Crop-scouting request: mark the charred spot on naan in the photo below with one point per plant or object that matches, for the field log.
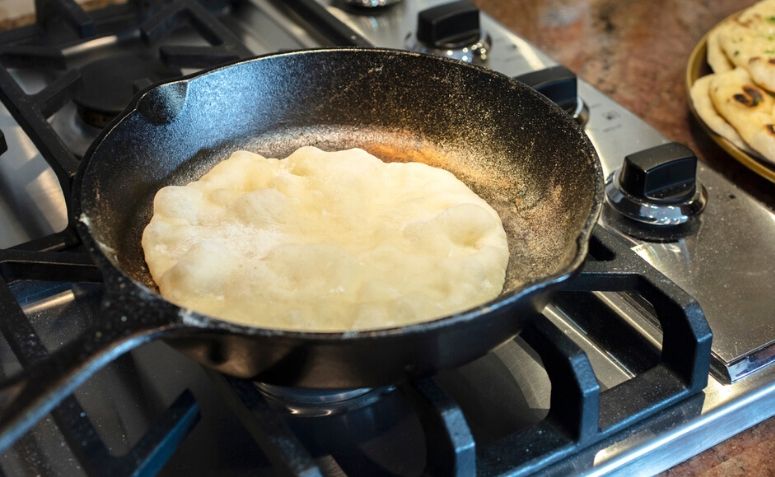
(751, 96)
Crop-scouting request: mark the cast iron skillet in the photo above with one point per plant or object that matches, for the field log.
(512, 146)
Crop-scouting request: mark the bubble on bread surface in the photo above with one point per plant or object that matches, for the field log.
(325, 241)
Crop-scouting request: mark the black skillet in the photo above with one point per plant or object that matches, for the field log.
(513, 147)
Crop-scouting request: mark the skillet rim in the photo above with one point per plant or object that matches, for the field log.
(206, 323)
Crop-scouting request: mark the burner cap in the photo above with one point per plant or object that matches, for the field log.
(321, 402)
(108, 84)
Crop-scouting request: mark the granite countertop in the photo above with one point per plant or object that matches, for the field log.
(635, 51)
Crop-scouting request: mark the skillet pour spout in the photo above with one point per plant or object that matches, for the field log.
(509, 144)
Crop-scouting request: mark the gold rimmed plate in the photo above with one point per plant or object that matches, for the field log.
(698, 67)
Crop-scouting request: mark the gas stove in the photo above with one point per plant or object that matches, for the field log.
(618, 374)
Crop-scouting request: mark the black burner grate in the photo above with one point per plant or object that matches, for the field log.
(41, 47)
(580, 415)
(224, 45)
(160, 441)
(56, 257)
(32, 112)
(48, 11)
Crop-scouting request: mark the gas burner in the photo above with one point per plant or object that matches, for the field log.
(321, 402)
(74, 131)
(370, 4)
(108, 84)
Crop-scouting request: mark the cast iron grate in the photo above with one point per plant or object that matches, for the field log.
(61, 24)
(224, 45)
(580, 414)
(42, 260)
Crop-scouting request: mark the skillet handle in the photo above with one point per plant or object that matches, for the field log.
(27, 396)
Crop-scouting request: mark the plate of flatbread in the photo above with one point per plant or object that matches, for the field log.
(731, 82)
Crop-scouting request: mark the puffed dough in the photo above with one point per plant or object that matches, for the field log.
(325, 241)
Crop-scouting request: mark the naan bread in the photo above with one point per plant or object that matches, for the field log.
(704, 107)
(749, 42)
(717, 59)
(747, 108)
(325, 241)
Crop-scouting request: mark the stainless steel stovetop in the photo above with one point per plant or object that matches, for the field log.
(727, 263)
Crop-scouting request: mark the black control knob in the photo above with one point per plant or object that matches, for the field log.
(664, 174)
(655, 195)
(557, 83)
(450, 25)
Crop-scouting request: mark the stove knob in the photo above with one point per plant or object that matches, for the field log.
(664, 174)
(453, 30)
(657, 187)
(371, 3)
(559, 84)
(449, 25)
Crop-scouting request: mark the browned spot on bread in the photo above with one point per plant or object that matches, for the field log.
(752, 97)
(771, 129)
(745, 23)
(755, 94)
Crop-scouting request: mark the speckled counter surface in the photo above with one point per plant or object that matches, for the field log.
(636, 51)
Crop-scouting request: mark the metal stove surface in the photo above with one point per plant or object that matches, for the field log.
(724, 264)
(506, 391)
(739, 307)
(715, 264)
